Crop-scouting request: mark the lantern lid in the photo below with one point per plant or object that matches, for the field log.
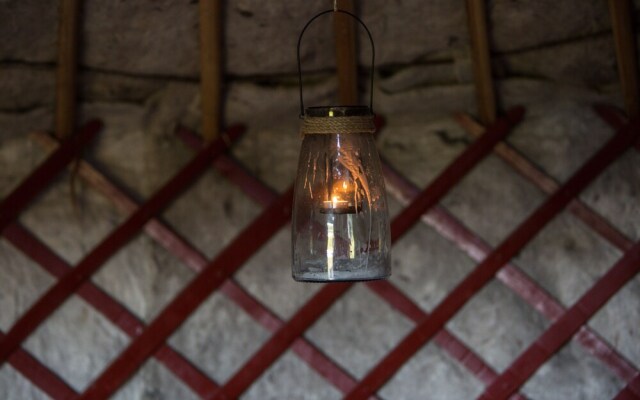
(338, 111)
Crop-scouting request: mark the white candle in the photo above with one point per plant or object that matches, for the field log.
(335, 203)
(330, 250)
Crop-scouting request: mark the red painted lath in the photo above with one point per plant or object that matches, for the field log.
(217, 274)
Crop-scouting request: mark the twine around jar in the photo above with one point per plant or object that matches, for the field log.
(337, 125)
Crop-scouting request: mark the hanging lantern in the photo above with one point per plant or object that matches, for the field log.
(340, 226)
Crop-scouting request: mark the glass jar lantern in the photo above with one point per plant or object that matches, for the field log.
(340, 229)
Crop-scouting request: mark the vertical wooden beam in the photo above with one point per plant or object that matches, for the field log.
(65, 118)
(622, 23)
(211, 67)
(481, 57)
(346, 54)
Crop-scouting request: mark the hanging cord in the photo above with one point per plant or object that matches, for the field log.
(373, 52)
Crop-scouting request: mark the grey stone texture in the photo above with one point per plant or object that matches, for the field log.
(569, 375)
(75, 354)
(265, 278)
(14, 386)
(622, 332)
(439, 377)
(362, 323)
(139, 74)
(161, 38)
(19, 272)
(623, 208)
(291, 378)
(217, 348)
(166, 385)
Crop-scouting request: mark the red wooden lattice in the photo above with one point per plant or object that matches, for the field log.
(217, 274)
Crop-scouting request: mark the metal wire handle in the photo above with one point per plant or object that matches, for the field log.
(373, 53)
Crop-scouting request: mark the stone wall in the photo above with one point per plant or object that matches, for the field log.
(139, 74)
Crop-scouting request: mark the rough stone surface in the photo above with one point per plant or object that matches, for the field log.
(544, 22)
(290, 378)
(621, 332)
(564, 62)
(498, 325)
(565, 133)
(567, 258)
(78, 355)
(359, 330)
(432, 371)
(194, 213)
(260, 37)
(219, 337)
(101, 86)
(144, 275)
(13, 386)
(166, 386)
(25, 87)
(23, 284)
(621, 209)
(31, 28)
(19, 156)
(405, 140)
(493, 200)
(267, 276)
(442, 266)
(74, 230)
(570, 374)
(537, 93)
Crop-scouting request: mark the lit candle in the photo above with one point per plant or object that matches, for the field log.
(330, 250)
(337, 205)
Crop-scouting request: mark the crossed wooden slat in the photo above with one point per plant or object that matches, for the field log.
(237, 252)
(485, 271)
(385, 289)
(191, 257)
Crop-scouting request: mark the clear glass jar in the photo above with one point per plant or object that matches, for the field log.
(340, 226)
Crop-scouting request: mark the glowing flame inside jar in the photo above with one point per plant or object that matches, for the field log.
(338, 204)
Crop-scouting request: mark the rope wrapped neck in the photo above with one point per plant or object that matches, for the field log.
(340, 124)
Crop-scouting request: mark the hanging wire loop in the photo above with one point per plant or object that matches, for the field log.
(373, 53)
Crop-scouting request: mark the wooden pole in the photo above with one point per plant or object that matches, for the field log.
(346, 55)
(624, 37)
(65, 117)
(481, 57)
(211, 67)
